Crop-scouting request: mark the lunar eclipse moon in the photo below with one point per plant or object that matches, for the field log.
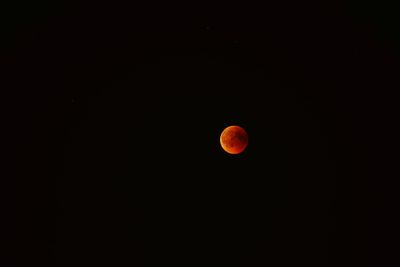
(234, 139)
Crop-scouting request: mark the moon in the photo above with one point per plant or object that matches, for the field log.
(234, 139)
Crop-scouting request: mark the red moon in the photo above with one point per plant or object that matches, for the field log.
(234, 139)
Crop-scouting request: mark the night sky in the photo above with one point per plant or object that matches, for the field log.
(124, 106)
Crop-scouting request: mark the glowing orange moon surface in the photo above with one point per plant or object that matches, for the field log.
(234, 139)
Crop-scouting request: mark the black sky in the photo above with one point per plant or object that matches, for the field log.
(124, 106)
